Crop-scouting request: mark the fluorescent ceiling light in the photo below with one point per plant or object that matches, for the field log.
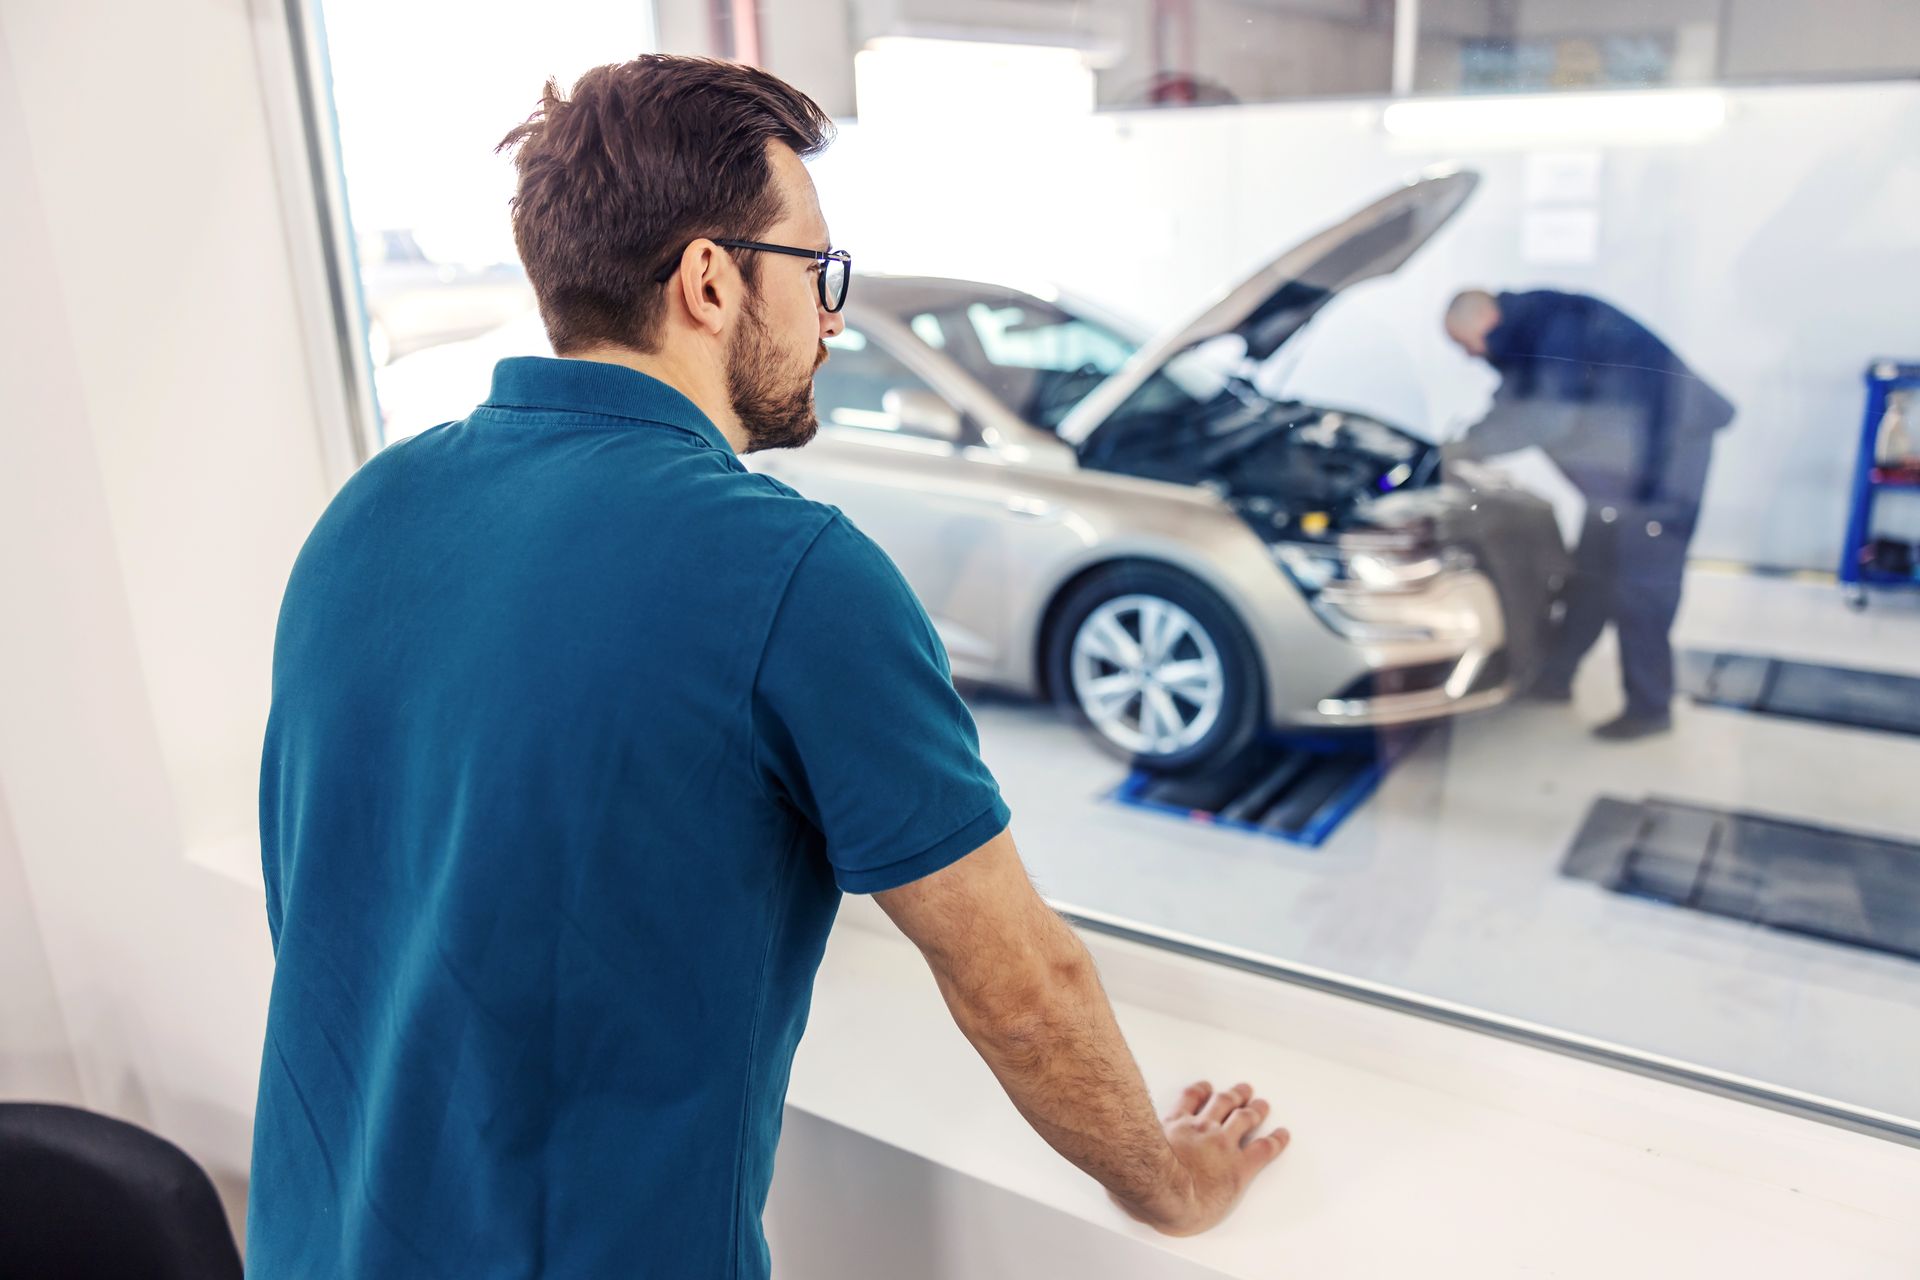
(961, 84)
(1622, 116)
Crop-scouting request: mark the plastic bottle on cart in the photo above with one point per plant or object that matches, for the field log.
(1893, 445)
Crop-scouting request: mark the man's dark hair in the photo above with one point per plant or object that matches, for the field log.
(645, 157)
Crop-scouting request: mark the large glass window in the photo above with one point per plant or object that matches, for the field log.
(1531, 387)
(421, 96)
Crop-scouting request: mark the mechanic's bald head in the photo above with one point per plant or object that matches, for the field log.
(1471, 316)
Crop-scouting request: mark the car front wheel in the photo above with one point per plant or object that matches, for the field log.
(1158, 666)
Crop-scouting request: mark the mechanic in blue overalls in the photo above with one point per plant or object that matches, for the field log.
(1632, 427)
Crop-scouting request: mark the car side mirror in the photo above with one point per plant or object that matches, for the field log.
(922, 413)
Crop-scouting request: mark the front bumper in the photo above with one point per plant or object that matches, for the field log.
(1408, 708)
(1421, 655)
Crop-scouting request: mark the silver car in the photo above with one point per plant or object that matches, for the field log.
(1133, 529)
(414, 302)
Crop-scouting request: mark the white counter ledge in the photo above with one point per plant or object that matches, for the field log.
(1418, 1148)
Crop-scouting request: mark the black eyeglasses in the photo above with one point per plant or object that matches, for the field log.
(836, 268)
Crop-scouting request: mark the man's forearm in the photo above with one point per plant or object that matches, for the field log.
(1504, 430)
(1061, 1058)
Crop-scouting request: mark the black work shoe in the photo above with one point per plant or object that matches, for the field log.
(1633, 725)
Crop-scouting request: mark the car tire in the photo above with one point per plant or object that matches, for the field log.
(1216, 665)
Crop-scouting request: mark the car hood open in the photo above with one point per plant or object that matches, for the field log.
(1276, 302)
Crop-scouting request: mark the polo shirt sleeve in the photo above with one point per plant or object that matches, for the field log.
(857, 725)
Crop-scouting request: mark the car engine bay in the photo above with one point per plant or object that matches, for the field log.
(1292, 471)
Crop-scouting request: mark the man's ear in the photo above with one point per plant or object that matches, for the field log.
(707, 285)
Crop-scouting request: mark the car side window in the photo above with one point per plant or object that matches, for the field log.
(926, 327)
(850, 389)
(1039, 360)
(1021, 337)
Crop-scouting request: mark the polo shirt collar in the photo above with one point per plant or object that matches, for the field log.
(591, 386)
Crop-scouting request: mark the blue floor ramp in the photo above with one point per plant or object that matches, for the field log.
(1296, 789)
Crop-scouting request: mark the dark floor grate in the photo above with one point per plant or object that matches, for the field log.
(1803, 691)
(1843, 886)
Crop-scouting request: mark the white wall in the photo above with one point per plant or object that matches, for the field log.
(160, 461)
(36, 1057)
(1777, 255)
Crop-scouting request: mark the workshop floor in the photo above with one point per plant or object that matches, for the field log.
(1446, 882)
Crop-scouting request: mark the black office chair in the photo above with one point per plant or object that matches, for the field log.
(85, 1196)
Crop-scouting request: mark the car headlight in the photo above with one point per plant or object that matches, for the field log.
(1347, 583)
(1366, 563)
(1311, 566)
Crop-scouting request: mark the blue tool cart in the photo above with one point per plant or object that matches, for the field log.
(1889, 459)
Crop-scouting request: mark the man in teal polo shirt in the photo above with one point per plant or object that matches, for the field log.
(580, 729)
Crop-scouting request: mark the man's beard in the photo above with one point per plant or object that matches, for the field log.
(774, 408)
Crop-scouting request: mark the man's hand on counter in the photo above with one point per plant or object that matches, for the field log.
(1218, 1156)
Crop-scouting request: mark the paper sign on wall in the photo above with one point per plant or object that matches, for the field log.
(1560, 237)
(1563, 177)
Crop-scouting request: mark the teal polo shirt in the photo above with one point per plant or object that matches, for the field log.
(579, 730)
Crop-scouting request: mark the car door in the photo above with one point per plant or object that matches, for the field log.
(938, 506)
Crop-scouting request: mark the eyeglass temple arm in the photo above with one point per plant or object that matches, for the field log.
(822, 256)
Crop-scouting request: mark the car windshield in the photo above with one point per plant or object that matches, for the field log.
(1209, 386)
(1039, 359)
(1215, 371)
(1210, 407)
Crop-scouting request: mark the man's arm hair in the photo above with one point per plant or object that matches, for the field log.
(1023, 990)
